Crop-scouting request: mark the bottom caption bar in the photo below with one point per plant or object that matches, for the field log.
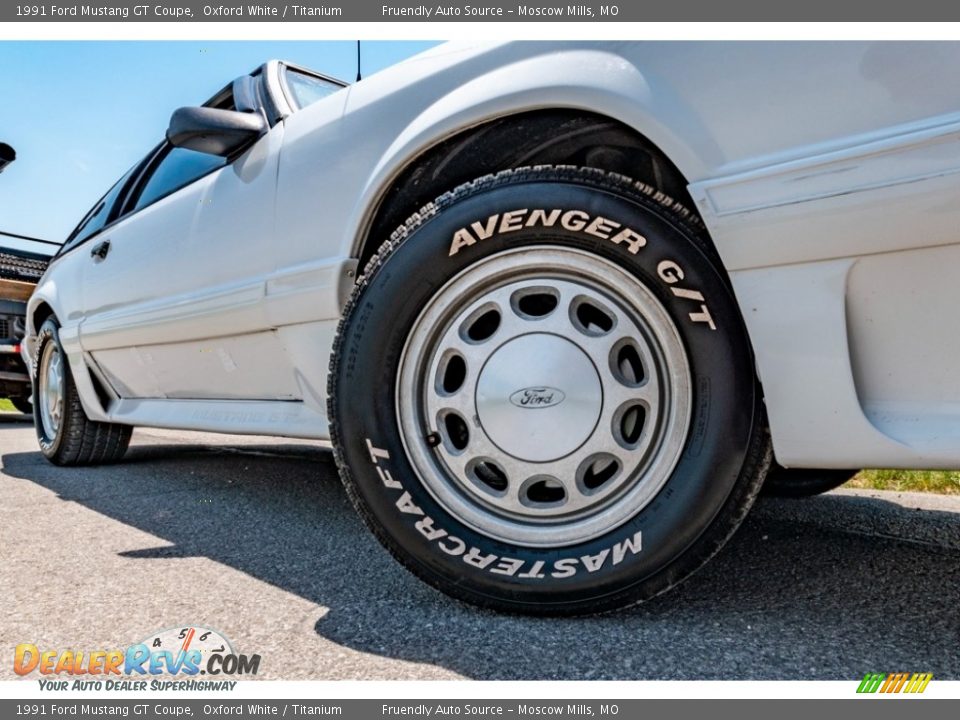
(365, 709)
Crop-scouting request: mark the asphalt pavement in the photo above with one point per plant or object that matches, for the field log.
(255, 537)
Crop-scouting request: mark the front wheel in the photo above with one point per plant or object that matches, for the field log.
(542, 394)
(65, 434)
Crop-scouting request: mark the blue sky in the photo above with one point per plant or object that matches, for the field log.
(79, 114)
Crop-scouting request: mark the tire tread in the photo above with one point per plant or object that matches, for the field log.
(86, 441)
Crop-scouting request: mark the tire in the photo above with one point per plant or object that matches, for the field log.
(65, 433)
(801, 482)
(22, 405)
(685, 470)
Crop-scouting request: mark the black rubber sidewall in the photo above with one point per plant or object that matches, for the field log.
(49, 333)
(723, 390)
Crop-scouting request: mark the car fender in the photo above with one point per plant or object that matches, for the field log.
(54, 289)
(593, 80)
(45, 294)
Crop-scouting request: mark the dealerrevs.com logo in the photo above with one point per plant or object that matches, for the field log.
(183, 652)
(894, 683)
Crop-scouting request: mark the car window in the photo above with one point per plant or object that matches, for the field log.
(307, 89)
(101, 213)
(179, 167)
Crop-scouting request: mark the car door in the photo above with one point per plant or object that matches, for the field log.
(72, 259)
(172, 290)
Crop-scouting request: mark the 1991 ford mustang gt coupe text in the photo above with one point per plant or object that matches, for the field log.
(558, 307)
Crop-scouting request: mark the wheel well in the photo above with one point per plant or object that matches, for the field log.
(40, 315)
(542, 137)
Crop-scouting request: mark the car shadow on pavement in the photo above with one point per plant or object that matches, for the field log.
(823, 588)
(14, 418)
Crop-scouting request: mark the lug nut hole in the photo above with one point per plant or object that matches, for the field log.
(453, 372)
(542, 491)
(590, 318)
(596, 471)
(482, 325)
(534, 303)
(628, 424)
(626, 365)
(488, 475)
(454, 431)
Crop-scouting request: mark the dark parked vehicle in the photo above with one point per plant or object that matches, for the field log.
(19, 273)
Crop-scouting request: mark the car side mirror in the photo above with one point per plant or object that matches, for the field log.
(214, 131)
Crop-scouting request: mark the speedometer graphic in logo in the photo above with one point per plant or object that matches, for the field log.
(190, 639)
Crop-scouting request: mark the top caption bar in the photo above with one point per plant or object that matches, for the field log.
(481, 11)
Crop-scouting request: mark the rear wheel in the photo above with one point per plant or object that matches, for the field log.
(65, 434)
(542, 394)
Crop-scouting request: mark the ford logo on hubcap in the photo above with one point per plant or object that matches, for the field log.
(537, 397)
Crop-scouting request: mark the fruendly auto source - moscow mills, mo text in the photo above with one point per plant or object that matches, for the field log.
(477, 11)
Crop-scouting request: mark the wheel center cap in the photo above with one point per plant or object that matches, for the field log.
(539, 397)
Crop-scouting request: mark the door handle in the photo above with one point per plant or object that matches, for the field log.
(100, 250)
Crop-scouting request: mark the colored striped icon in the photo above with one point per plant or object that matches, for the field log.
(894, 682)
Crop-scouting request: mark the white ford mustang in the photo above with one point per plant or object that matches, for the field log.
(558, 307)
